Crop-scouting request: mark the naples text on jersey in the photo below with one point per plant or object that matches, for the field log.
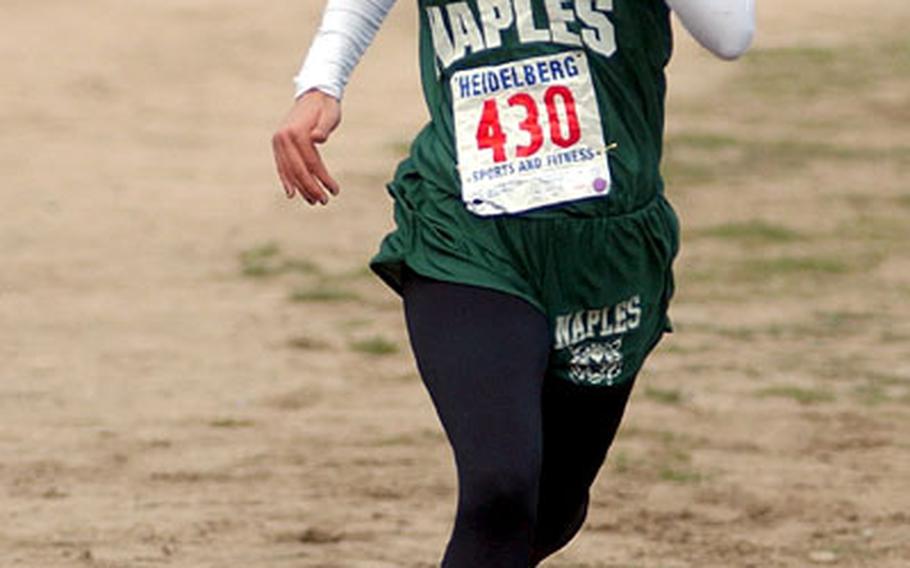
(457, 32)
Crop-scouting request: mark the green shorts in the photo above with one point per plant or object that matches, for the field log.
(604, 283)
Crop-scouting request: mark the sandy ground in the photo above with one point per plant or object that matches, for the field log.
(196, 372)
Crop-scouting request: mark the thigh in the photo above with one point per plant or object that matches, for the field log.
(579, 425)
(482, 355)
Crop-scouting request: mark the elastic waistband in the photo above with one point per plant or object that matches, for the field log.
(658, 201)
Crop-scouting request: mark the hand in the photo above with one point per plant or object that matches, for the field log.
(313, 118)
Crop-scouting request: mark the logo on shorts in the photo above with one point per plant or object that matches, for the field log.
(594, 340)
(603, 323)
(597, 363)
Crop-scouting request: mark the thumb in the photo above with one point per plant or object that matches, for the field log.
(325, 124)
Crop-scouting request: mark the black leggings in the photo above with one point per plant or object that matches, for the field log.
(527, 447)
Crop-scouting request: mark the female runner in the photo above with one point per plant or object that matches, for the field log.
(533, 245)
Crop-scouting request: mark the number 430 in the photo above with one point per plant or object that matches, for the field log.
(491, 136)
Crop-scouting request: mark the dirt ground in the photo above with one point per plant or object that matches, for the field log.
(196, 372)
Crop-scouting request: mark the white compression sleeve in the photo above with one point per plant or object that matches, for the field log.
(348, 27)
(347, 30)
(725, 27)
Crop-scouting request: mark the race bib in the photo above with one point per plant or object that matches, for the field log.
(528, 134)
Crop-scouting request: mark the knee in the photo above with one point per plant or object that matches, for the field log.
(501, 500)
(557, 526)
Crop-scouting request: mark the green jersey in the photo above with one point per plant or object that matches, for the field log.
(538, 175)
(567, 91)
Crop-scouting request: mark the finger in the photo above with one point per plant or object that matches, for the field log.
(289, 188)
(300, 176)
(311, 163)
(316, 166)
(280, 167)
(285, 173)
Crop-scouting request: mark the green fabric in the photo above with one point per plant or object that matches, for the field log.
(564, 266)
(599, 269)
(630, 87)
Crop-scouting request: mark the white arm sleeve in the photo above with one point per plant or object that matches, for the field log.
(725, 27)
(347, 30)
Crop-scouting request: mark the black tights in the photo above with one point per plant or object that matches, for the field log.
(527, 447)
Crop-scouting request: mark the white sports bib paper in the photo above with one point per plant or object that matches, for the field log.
(528, 134)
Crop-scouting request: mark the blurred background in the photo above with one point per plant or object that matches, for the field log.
(197, 372)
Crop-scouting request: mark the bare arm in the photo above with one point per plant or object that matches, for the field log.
(724, 27)
(348, 27)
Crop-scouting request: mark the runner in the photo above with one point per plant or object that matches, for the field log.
(533, 243)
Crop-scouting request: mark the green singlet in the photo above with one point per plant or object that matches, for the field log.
(539, 172)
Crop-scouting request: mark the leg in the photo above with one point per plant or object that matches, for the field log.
(579, 426)
(483, 355)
